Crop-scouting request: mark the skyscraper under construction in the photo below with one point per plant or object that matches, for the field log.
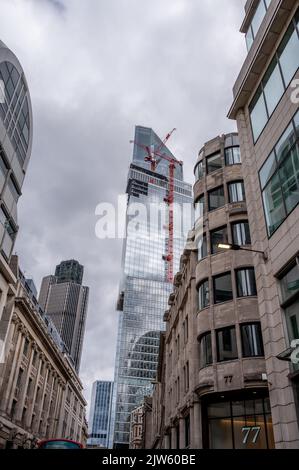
(150, 257)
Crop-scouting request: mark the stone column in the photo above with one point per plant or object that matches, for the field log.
(182, 433)
(15, 370)
(173, 437)
(196, 426)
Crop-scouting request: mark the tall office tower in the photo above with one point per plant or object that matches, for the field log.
(15, 151)
(266, 108)
(145, 288)
(65, 300)
(100, 414)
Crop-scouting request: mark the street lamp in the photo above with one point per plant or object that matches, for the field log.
(231, 246)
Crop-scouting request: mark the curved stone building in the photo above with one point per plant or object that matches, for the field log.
(15, 151)
(212, 389)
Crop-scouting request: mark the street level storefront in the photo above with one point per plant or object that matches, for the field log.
(238, 421)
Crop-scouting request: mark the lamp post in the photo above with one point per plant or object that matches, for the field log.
(230, 246)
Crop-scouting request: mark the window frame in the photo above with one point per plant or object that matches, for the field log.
(276, 173)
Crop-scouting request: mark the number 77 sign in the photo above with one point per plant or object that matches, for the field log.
(252, 432)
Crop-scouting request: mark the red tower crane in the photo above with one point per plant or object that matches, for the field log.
(154, 157)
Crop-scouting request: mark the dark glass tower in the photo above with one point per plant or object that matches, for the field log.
(65, 301)
(144, 289)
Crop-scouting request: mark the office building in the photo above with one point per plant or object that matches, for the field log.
(266, 108)
(65, 301)
(15, 151)
(40, 391)
(100, 414)
(145, 284)
(211, 382)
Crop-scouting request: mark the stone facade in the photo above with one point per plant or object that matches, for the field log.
(227, 373)
(280, 244)
(40, 392)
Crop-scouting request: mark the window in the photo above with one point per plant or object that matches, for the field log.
(186, 330)
(246, 282)
(273, 86)
(289, 282)
(203, 295)
(276, 80)
(202, 247)
(214, 162)
(252, 340)
(218, 236)
(205, 343)
(241, 233)
(216, 198)
(187, 431)
(199, 207)
(227, 420)
(292, 318)
(227, 344)
(236, 191)
(26, 347)
(223, 288)
(279, 178)
(186, 376)
(256, 22)
(199, 171)
(232, 156)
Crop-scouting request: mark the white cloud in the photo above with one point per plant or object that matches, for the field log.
(95, 69)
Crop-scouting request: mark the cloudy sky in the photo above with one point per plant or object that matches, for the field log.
(96, 68)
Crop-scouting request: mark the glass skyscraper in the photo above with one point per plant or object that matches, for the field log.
(100, 414)
(144, 289)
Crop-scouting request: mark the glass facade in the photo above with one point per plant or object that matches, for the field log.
(15, 109)
(100, 414)
(144, 287)
(276, 80)
(279, 178)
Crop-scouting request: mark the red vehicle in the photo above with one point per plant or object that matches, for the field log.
(59, 444)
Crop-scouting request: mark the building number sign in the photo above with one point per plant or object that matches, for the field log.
(251, 432)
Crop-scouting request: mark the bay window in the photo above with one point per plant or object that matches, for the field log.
(246, 285)
(252, 340)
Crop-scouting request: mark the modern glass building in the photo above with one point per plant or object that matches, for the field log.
(144, 289)
(100, 414)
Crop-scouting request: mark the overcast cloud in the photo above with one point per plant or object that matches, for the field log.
(96, 68)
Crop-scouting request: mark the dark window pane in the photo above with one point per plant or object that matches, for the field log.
(206, 357)
(227, 344)
(285, 143)
(268, 169)
(258, 114)
(241, 233)
(246, 282)
(289, 283)
(203, 295)
(289, 176)
(289, 54)
(218, 236)
(292, 317)
(273, 86)
(199, 171)
(214, 163)
(216, 198)
(273, 203)
(252, 341)
(202, 247)
(223, 288)
(220, 434)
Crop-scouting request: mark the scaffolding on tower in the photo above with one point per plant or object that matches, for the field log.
(154, 157)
